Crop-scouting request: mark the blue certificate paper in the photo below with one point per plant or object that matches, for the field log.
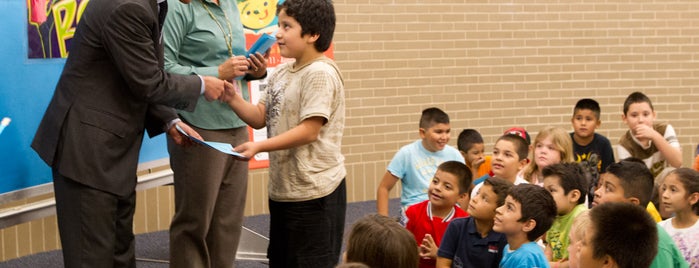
(263, 43)
(225, 148)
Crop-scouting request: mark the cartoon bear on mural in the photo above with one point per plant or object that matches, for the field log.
(258, 15)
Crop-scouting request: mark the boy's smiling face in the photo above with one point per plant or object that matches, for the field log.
(443, 191)
(436, 137)
(505, 162)
(609, 190)
(564, 202)
(507, 217)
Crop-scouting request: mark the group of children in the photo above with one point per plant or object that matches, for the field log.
(568, 205)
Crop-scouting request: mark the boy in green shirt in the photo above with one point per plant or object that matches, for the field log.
(568, 186)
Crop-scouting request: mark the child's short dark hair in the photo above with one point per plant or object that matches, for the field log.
(635, 178)
(431, 116)
(520, 143)
(633, 245)
(690, 181)
(461, 171)
(636, 97)
(571, 177)
(536, 204)
(315, 17)
(467, 138)
(588, 104)
(501, 187)
(379, 241)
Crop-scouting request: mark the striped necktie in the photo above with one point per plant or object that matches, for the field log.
(162, 11)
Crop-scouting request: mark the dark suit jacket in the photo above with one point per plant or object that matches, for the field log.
(112, 88)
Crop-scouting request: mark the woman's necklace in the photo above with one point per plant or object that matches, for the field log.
(227, 37)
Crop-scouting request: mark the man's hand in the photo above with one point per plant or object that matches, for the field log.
(181, 139)
(213, 88)
(233, 67)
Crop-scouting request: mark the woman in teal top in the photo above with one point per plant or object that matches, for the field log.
(206, 37)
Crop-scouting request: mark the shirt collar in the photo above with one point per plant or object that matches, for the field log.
(446, 219)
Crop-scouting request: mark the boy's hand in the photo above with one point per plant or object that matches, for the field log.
(476, 164)
(248, 149)
(548, 252)
(230, 93)
(428, 248)
(645, 132)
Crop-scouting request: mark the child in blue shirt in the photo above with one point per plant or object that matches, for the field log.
(528, 212)
(415, 163)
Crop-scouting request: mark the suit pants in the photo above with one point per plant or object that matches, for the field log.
(210, 191)
(96, 227)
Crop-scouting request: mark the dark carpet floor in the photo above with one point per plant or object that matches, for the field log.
(152, 249)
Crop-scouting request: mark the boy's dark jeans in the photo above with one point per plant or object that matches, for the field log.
(307, 233)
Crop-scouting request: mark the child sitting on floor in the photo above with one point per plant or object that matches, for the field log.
(528, 212)
(471, 242)
(568, 186)
(429, 219)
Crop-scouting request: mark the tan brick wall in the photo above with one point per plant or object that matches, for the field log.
(490, 64)
(495, 64)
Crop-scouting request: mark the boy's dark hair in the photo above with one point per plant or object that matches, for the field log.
(315, 17)
(536, 204)
(690, 181)
(379, 241)
(521, 145)
(467, 138)
(461, 171)
(636, 97)
(588, 104)
(634, 245)
(635, 178)
(570, 176)
(501, 187)
(431, 116)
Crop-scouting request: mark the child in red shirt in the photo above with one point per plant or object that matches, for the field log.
(428, 220)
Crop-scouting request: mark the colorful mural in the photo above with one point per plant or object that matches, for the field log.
(258, 15)
(51, 25)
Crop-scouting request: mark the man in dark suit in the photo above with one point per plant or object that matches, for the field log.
(112, 88)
